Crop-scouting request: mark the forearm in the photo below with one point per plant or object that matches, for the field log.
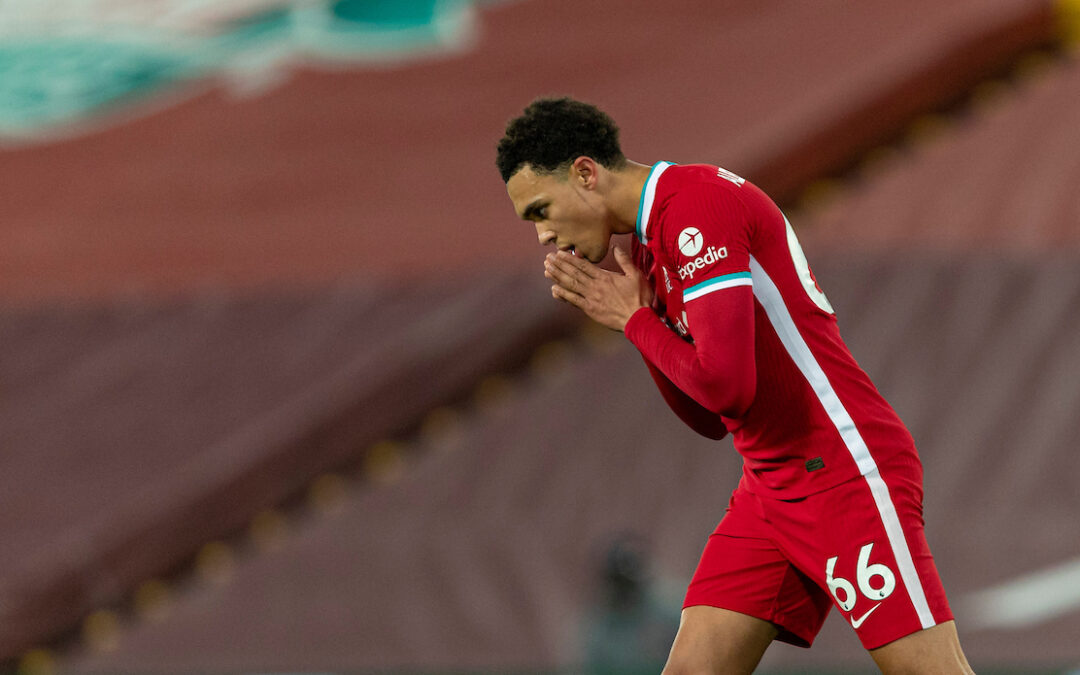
(692, 413)
(717, 371)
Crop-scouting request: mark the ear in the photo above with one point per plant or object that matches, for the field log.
(584, 172)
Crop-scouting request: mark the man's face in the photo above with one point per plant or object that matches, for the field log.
(567, 214)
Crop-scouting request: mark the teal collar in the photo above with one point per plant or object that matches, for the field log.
(645, 204)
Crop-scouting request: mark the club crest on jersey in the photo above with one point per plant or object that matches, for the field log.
(682, 325)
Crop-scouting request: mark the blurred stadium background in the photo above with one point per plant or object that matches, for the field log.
(282, 388)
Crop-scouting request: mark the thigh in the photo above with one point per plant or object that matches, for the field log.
(934, 651)
(714, 640)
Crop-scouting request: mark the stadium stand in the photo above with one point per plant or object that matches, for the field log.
(481, 555)
(136, 433)
(304, 183)
(429, 572)
(1003, 177)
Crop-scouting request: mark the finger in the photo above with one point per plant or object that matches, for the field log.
(565, 275)
(556, 274)
(566, 295)
(625, 262)
(580, 264)
(566, 283)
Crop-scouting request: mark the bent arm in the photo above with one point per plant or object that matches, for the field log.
(692, 413)
(717, 370)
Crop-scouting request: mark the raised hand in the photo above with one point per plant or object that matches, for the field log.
(609, 298)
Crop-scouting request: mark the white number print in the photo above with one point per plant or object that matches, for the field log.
(727, 175)
(803, 269)
(865, 574)
(847, 603)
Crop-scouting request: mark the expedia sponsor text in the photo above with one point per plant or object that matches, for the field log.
(712, 255)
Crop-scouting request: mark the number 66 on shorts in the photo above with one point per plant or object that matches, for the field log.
(864, 575)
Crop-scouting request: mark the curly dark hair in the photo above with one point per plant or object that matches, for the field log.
(552, 132)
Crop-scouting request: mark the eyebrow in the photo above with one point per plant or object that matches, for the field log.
(533, 207)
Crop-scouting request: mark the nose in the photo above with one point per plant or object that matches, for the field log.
(545, 237)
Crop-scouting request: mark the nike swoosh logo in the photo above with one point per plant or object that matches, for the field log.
(855, 623)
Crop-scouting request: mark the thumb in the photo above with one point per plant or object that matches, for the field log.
(623, 258)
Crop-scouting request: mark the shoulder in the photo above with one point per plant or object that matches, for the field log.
(699, 190)
(704, 196)
(682, 180)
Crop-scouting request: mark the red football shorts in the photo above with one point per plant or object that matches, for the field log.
(859, 546)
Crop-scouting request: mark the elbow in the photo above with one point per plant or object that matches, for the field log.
(716, 432)
(734, 400)
(740, 403)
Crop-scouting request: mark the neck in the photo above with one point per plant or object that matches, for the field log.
(626, 195)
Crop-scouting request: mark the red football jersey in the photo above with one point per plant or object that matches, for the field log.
(742, 338)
